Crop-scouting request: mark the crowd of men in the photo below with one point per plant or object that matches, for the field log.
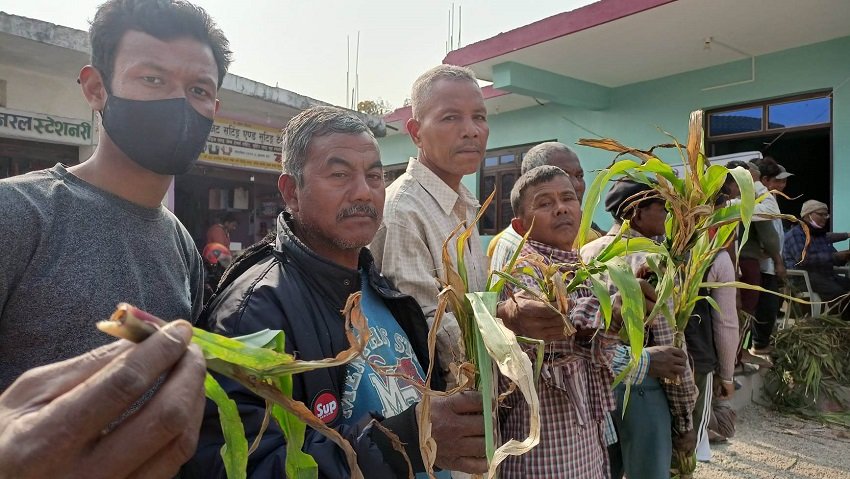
(95, 234)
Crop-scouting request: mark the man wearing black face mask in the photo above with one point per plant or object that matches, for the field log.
(80, 239)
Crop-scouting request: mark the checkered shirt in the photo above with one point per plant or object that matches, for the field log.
(575, 394)
(681, 397)
(420, 212)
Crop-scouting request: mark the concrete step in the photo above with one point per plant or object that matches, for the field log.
(752, 388)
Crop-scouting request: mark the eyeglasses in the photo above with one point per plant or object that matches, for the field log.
(821, 214)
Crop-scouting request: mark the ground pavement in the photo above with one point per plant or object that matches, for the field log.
(768, 445)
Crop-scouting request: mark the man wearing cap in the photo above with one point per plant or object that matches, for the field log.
(774, 177)
(659, 414)
(821, 255)
(762, 242)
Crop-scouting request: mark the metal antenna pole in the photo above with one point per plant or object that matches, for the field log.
(459, 22)
(357, 72)
(347, 70)
(452, 28)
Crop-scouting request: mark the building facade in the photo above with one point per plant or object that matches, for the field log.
(45, 120)
(772, 75)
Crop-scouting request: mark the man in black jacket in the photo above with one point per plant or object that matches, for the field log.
(299, 282)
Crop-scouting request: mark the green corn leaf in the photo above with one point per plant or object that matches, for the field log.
(713, 180)
(748, 199)
(234, 452)
(633, 307)
(625, 246)
(741, 285)
(299, 464)
(654, 165)
(539, 354)
(593, 194)
(234, 351)
(664, 291)
(604, 254)
(265, 338)
(487, 385)
(514, 364)
(600, 290)
(711, 301)
(500, 284)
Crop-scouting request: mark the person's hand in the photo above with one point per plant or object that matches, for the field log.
(843, 256)
(685, 442)
(527, 316)
(779, 269)
(54, 419)
(724, 389)
(666, 362)
(457, 426)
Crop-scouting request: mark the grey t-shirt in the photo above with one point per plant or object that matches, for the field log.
(69, 253)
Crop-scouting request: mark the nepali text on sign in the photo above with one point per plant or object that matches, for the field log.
(243, 145)
(43, 127)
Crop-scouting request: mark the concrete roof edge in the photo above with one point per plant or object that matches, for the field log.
(78, 40)
(281, 96)
(45, 32)
(549, 28)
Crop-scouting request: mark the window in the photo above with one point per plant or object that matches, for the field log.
(812, 111)
(735, 121)
(800, 112)
(499, 172)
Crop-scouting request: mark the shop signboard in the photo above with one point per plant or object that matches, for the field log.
(47, 128)
(243, 145)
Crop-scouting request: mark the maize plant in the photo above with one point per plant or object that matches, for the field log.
(259, 363)
(813, 358)
(488, 346)
(491, 348)
(696, 230)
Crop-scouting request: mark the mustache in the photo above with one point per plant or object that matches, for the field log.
(357, 210)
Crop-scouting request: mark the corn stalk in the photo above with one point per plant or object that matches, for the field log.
(259, 363)
(489, 345)
(695, 229)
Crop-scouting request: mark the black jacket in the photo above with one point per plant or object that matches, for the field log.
(699, 336)
(290, 288)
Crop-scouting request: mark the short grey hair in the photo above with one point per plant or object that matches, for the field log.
(541, 154)
(532, 177)
(422, 86)
(312, 123)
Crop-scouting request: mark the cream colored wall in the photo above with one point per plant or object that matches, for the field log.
(34, 92)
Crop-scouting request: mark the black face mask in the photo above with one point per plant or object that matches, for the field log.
(163, 136)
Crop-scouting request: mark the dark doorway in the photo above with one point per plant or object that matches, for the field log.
(807, 154)
(21, 156)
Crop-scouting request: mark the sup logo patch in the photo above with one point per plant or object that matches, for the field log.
(326, 407)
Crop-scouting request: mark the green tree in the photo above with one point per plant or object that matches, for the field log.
(377, 107)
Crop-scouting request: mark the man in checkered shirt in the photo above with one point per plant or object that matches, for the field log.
(575, 387)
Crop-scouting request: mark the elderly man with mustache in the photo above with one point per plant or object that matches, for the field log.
(299, 282)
